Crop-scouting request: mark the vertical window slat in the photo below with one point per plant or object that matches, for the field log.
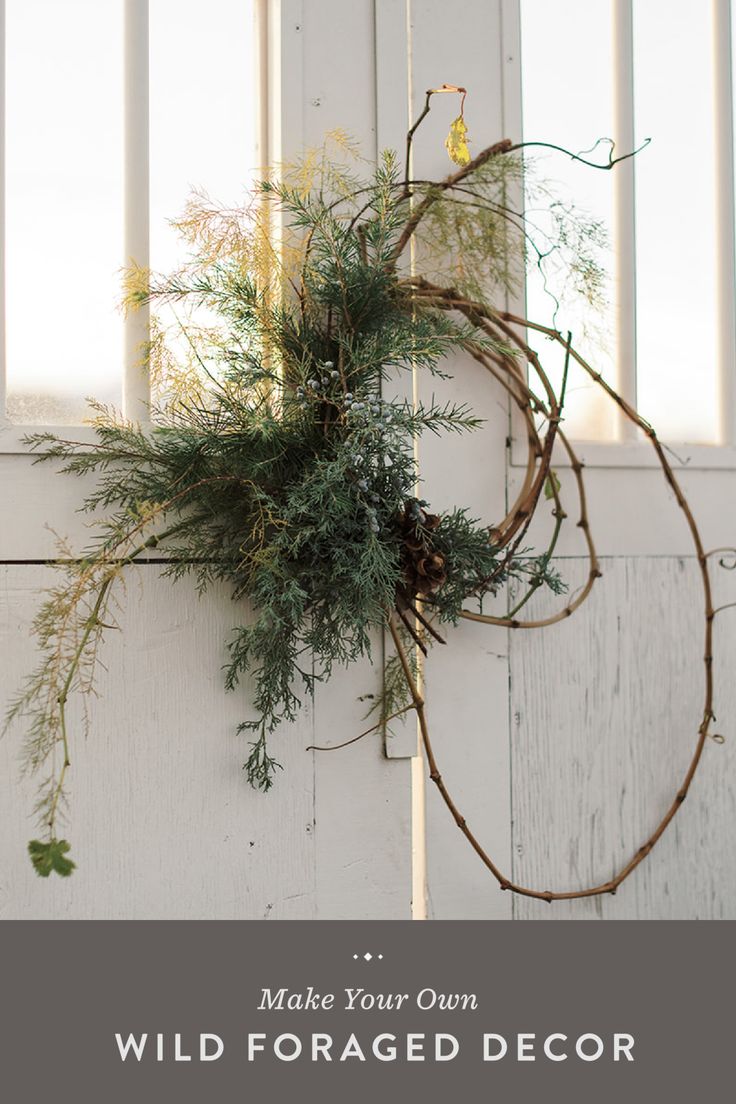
(136, 389)
(624, 235)
(261, 32)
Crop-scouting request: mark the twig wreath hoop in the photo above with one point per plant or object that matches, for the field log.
(277, 461)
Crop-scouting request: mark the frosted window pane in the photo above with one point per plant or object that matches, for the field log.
(202, 130)
(202, 110)
(64, 207)
(675, 218)
(567, 90)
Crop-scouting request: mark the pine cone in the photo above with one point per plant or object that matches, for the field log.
(423, 567)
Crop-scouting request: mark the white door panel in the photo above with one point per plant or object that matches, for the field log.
(605, 712)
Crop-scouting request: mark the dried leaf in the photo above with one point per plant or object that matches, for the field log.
(456, 142)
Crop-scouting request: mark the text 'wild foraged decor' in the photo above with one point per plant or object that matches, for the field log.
(280, 460)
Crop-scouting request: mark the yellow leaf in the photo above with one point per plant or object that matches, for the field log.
(457, 142)
(552, 484)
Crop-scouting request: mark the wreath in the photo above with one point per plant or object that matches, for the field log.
(280, 460)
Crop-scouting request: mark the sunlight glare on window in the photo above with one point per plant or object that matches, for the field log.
(202, 111)
(677, 355)
(203, 115)
(63, 207)
(567, 99)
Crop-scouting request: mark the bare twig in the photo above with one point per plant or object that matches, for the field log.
(506, 321)
(374, 728)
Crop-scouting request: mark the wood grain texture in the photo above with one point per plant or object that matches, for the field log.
(467, 695)
(363, 809)
(163, 822)
(634, 513)
(605, 710)
(37, 507)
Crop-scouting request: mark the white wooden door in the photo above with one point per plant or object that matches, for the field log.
(561, 747)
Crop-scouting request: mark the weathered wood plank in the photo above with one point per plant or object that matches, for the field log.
(362, 808)
(162, 819)
(605, 709)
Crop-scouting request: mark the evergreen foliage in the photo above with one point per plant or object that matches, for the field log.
(277, 459)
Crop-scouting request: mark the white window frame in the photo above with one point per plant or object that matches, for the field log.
(136, 206)
(627, 451)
